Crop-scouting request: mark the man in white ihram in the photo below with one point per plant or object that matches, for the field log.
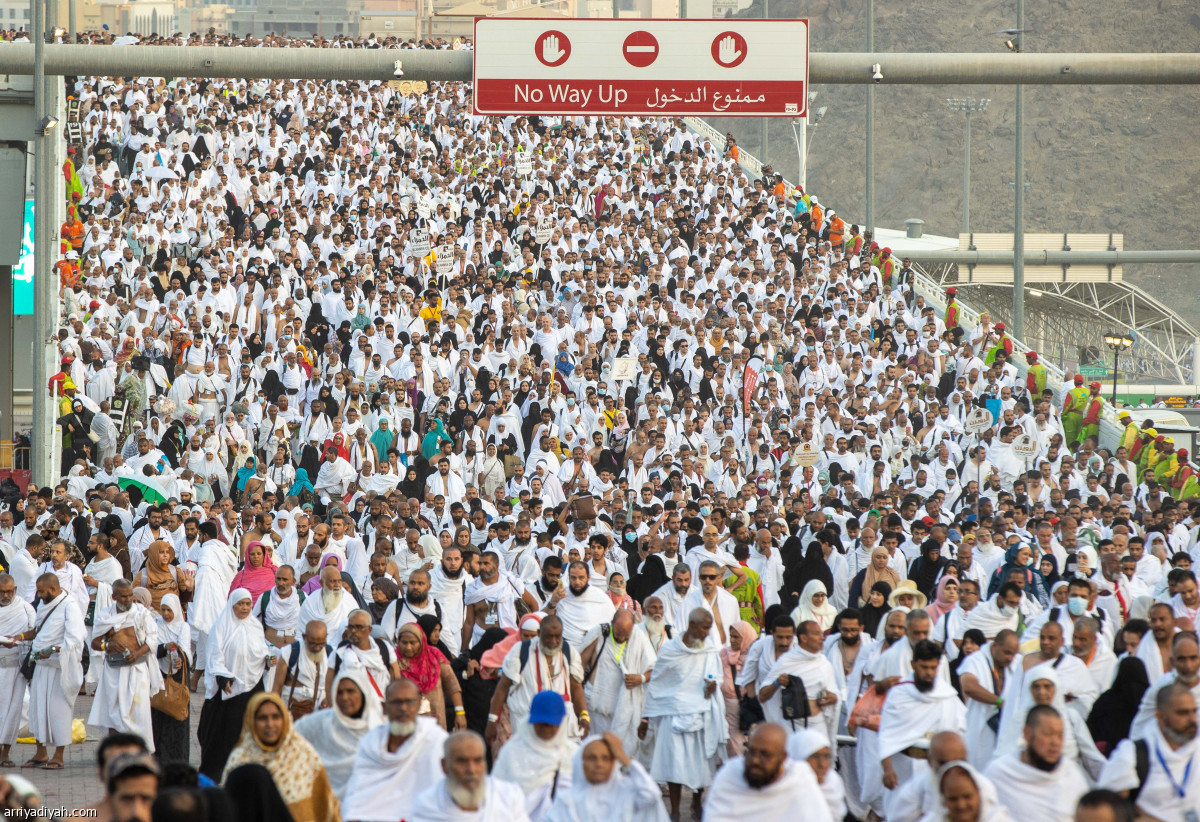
(807, 663)
(332, 607)
(620, 661)
(58, 651)
(16, 618)
(466, 791)
(395, 761)
(581, 607)
(125, 644)
(1038, 782)
(765, 785)
(689, 718)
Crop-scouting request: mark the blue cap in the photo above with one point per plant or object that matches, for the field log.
(547, 708)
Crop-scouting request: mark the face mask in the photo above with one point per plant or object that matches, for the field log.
(631, 537)
(1007, 610)
(705, 510)
(1077, 606)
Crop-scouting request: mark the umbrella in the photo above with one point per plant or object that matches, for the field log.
(161, 173)
(125, 40)
(152, 490)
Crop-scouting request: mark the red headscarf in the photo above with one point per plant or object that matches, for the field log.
(425, 668)
(255, 580)
(338, 442)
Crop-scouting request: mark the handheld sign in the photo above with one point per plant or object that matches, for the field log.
(523, 163)
(624, 368)
(420, 242)
(1025, 446)
(424, 208)
(807, 456)
(445, 258)
(544, 230)
(978, 420)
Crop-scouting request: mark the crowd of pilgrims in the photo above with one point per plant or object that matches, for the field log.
(690, 495)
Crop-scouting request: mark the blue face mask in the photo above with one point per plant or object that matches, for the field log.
(1077, 606)
(705, 510)
(631, 537)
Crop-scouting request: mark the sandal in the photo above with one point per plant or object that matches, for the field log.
(8, 763)
(52, 766)
(35, 763)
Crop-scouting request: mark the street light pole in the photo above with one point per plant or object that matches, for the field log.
(1117, 342)
(869, 224)
(968, 106)
(1018, 312)
(762, 122)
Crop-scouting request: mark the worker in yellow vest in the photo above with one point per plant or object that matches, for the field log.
(1036, 375)
(1129, 433)
(951, 308)
(1072, 414)
(1094, 407)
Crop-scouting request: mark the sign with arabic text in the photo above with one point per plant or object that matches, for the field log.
(639, 67)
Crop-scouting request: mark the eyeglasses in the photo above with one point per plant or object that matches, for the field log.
(708, 576)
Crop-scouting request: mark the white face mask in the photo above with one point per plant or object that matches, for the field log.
(1007, 610)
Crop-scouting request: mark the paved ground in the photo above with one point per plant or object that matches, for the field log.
(77, 785)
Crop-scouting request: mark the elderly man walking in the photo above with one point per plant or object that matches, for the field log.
(16, 618)
(58, 637)
(125, 644)
(687, 713)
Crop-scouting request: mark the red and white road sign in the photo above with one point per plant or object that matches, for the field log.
(640, 49)
(641, 67)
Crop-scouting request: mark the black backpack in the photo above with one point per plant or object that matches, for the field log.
(1142, 752)
(793, 701)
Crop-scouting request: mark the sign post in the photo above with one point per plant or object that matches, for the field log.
(636, 67)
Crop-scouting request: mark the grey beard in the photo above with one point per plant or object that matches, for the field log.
(694, 644)
(315, 659)
(330, 600)
(465, 797)
(402, 728)
(655, 625)
(121, 609)
(550, 653)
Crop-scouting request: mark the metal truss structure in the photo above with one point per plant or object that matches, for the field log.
(1067, 322)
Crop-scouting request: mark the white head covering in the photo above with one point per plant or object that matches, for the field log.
(177, 630)
(990, 809)
(237, 649)
(805, 610)
(335, 736)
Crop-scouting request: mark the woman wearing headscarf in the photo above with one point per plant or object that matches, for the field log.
(412, 486)
(733, 656)
(384, 591)
(432, 627)
(974, 796)
(811, 745)
(242, 478)
(258, 570)
(812, 567)
(435, 434)
(431, 672)
(314, 582)
(301, 485)
(492, 472)
(876, 606)
(382, 440)
(945, 600)
(1041, 686)
(1017, 557)
(927, 569)
(174, 660)
(619, 596)
(269, 739)
(1048, 566)
(158, 575)
(233, 672)
(335, 732)
(814, 606)
(1113, 712)
(607, 785)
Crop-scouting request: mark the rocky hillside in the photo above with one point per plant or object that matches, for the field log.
(1100, 158)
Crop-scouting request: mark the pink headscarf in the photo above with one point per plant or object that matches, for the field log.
(255, 580)
(940, 605)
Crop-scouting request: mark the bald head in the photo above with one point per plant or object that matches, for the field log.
(946, 746)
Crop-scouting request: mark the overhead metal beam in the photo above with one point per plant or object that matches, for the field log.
(1056, 258)
(429, 64)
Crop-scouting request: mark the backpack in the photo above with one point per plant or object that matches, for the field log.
(265, 599)
(1057, 609)
(523, 654)
(379, 643)
(588, 672)
(793, 701)
(294, 659)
